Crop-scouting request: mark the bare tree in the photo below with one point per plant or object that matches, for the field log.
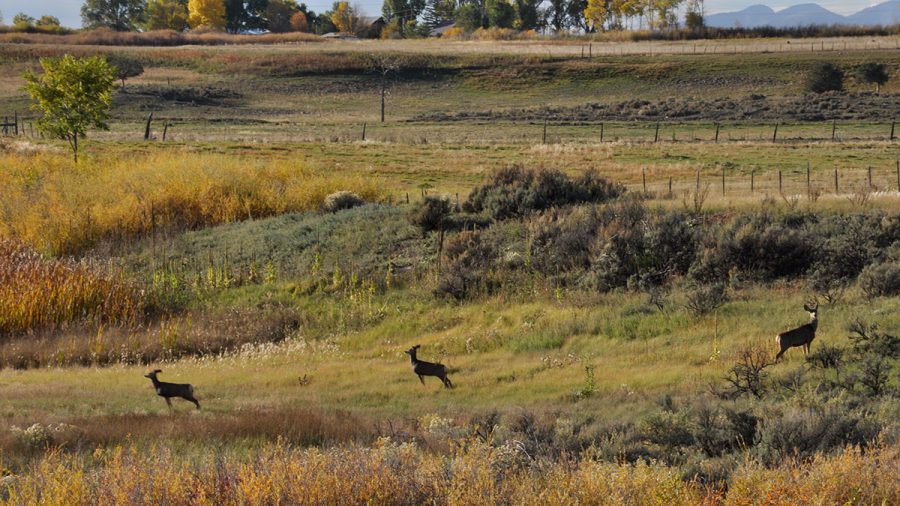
(383, 65)
(748, 374)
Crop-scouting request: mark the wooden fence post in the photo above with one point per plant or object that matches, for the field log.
(752, 180)
(893, 124)
(544, 137)
(779, 182)
(16, 121)
(147, 128)
(833, 129)
(836, 188)
(670, 183)
(775, 133)
(601, 132)
(644, 178)
(717, 132)
(808, 186)
(869, 176)
(656, 136)
(165, 130)
(364, 131)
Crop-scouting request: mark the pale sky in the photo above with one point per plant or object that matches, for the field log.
(68, 11)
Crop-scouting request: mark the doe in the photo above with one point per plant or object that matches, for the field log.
(800, 336)
(169, 390)
(423, 368)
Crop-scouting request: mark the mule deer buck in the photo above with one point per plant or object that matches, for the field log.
(800, 336)
(169, 390)
(423, 368)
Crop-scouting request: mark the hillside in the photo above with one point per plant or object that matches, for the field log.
(600, 250)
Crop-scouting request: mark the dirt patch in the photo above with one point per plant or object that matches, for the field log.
(181, 95)
(821, 107)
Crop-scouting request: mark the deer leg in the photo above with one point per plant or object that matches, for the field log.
(806, 349)
(780, 353)
(194, 400)
(422, 379)
(169, 402)
(446, 381)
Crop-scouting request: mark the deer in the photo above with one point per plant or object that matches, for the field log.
(422, 368)
(169, 390)
(800, 336)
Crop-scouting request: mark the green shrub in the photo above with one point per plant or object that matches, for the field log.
(562, 240)
(879, 280)
(666, 429)
(125, 66)
(515, 192)
(432, 213)
(705, 299)
(341, 200)
(467, 261)
(642, 251)
(824, 77)
(758, 246)
(874, 73)
(802, 432)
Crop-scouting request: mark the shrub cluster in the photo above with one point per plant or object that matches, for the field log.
(341, 200)
(467, 266)
(432, 213)
(825, 77)
(516, 192)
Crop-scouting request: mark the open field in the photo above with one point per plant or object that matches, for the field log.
(597, 322)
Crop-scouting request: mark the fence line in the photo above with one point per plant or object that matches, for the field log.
(855, 184)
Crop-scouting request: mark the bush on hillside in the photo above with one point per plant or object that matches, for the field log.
(432, 213)
(758, 246)
(825, 77)
(642, 250)
(467, 260)
(802, 432)
(880, 280)
(338, 201)
(562, 240)
(515, 192)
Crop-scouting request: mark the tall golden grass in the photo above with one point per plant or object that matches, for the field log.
(37, 292)
(391, 473)
(61, 208)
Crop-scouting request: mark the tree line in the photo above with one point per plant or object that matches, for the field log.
(402, 18)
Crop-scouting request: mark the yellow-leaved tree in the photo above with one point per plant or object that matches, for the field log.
(597, 14)
(345, 18)
(206, 13)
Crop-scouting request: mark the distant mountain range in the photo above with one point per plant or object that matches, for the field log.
(887, 13)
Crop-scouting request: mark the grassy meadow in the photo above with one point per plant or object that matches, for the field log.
(607, 308)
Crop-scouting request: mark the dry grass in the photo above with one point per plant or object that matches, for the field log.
(194, 334)
(290, 424)
(393, 473)
(58, 207)
(41, 293)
